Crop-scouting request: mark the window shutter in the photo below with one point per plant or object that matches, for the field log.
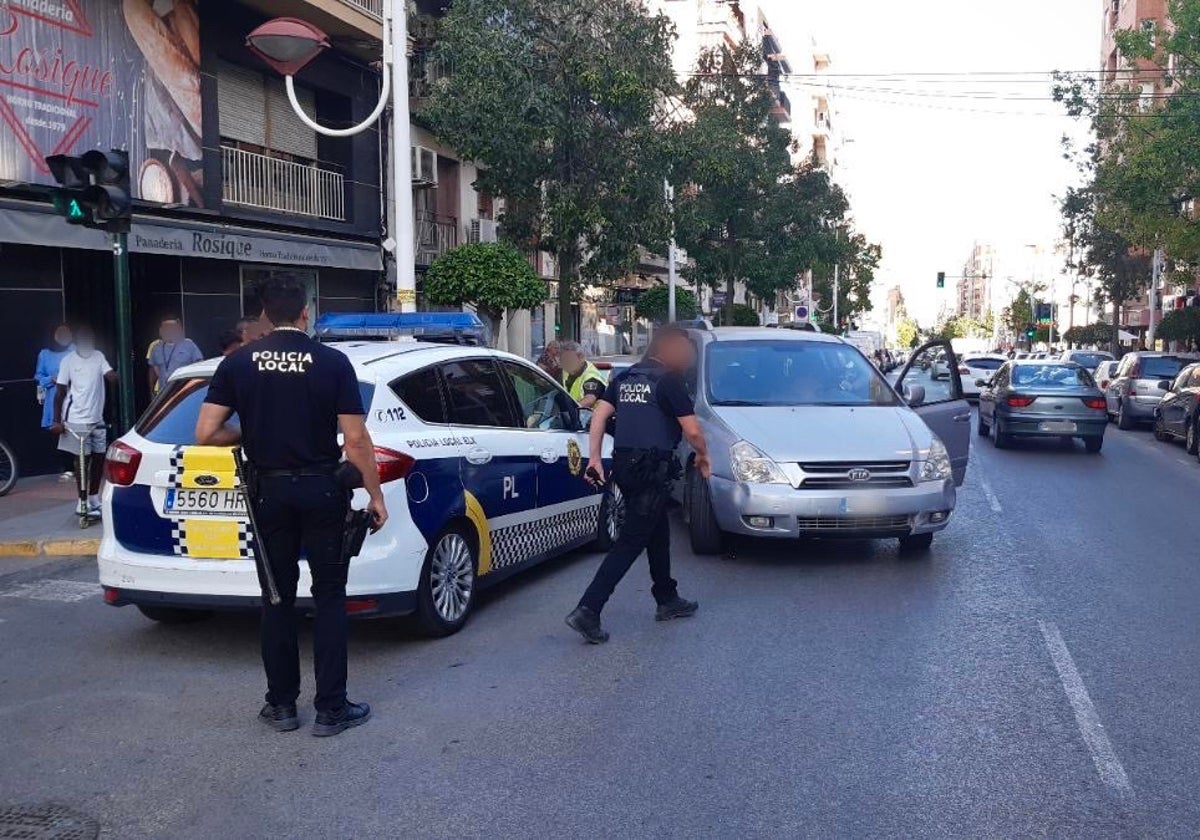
(241, 103)
(285, 131)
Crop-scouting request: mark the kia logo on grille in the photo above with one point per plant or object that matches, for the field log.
(859, 474)
(207, 480)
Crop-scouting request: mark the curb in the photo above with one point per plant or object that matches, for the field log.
(50, 548)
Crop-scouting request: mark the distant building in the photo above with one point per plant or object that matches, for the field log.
(974, 299)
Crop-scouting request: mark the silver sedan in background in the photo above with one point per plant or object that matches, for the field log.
(1035, 398)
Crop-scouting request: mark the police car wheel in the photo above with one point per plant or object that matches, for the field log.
(705, 534)
(612, 515)
(447, 589)
(173, 615)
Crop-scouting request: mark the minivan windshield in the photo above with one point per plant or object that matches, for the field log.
(171, 418)
(781, 372)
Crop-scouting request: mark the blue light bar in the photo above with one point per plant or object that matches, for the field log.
(445, 327)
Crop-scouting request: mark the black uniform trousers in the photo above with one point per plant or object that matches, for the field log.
(308, 512)
(644, 479)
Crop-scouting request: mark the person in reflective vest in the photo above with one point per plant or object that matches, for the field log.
(580, 377)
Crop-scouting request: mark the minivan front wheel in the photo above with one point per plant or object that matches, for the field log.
(702, 522)
(1192, 441)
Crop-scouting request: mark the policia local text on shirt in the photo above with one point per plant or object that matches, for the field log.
(291, 394)
(653, 410)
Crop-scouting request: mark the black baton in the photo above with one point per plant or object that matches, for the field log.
(260, 549)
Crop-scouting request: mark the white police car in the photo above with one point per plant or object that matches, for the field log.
(481, 456)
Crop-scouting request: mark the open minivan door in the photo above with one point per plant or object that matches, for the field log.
(931, 385)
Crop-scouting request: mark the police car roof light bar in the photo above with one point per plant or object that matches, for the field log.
(440, 327)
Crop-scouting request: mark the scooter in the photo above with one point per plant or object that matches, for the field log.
(81, 433)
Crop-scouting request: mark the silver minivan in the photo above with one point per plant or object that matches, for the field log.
(807, 439)
(1135, 390)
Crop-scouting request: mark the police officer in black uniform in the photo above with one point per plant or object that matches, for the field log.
(653, 410)
(291, 394)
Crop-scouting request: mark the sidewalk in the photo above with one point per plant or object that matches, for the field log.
(37, 519)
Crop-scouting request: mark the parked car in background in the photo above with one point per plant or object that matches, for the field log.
(978, 366)
(1177, 416)
(1104, 374)
(1134, 392)
(1042, 399)
(807, 439)
(1087, 359)
(939, 368)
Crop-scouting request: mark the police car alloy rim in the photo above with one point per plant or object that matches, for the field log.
(451, 577)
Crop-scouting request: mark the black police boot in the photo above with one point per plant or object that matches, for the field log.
(331, 723)
(281, 718)
(586, 622)
(675, 608)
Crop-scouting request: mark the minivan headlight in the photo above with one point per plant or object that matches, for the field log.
(937, 465)
(752, 466)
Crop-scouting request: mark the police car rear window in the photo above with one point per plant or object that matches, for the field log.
(171, 418)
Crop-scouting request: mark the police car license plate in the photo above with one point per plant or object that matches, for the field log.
(1058, 426)
(189, 502)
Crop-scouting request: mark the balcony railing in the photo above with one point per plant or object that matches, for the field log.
(269, 183)
(425, 69)
(436, 234)
(371, 7)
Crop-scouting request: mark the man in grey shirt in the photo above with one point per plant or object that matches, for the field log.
(172, 351)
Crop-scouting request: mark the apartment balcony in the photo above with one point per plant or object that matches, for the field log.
(436, 234)
(425, 69)
(251, 179)
(356, 26)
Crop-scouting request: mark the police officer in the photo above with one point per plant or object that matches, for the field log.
(653, 410)
(291, 395)
(580, 377)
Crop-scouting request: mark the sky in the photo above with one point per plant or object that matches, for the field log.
(928, 173)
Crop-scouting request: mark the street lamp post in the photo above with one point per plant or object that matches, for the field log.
(288, 45)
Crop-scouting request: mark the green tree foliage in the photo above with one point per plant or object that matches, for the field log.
(747, 213)
(1088, 335)
(1019, 314)
(961, 326)
(652, 304)
(563, 103)
(492, 277)
(908, 332)
(742, 316)
(1181, 325)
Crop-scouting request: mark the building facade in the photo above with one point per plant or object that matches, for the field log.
(230, 186)
(974, 286)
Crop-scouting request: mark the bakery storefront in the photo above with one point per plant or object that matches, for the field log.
(204, 272)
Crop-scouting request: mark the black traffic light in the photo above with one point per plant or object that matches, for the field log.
(941, 279)
(95, 190)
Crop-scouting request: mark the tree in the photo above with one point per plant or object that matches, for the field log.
(1019, 314)
(742, 316)
(563, 105)
(492, 277)
(1182, 325)
(652, 305)
(748, 215)
(908, 332)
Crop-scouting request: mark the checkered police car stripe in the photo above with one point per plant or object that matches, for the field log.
(516, 543)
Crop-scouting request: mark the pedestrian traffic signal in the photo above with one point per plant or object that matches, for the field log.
(941, 279)
(95, 189)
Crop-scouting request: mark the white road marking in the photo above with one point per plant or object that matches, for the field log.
(1103, 755)
(991, 496)
(66, 591)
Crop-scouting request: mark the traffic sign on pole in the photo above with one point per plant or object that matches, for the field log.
(802, 312)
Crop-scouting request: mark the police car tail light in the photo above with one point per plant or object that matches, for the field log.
(121, 464)
(392, 465)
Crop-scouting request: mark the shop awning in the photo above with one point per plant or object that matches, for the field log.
(27, 223)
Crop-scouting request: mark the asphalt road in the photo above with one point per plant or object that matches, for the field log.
(1036, 675)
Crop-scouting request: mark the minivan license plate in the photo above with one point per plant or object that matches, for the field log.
(1058, 426)
(191, 502)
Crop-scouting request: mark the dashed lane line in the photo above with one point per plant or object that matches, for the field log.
(993, 501)
(1108, 765)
